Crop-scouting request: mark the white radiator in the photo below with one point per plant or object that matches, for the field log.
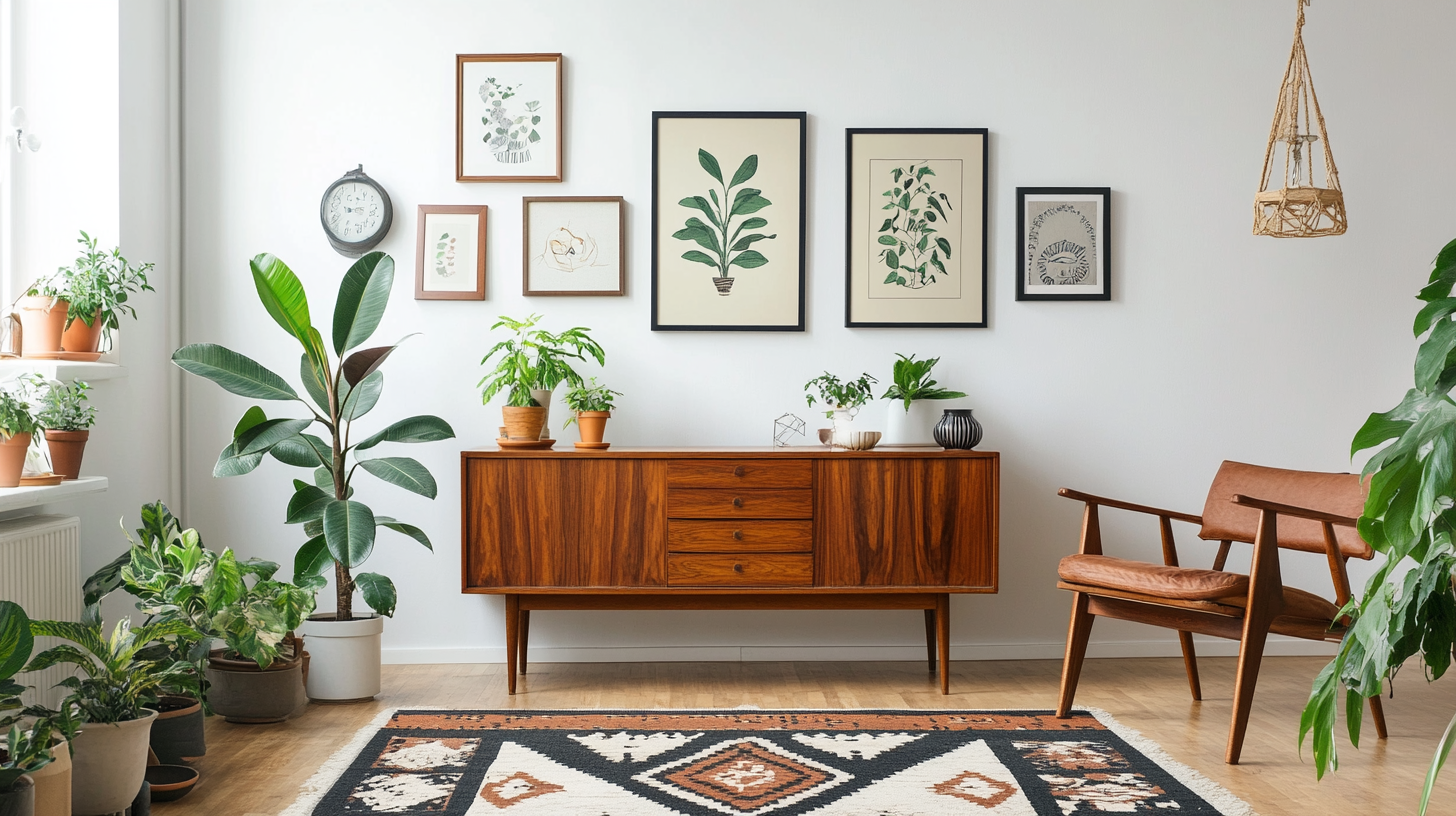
(40, 569)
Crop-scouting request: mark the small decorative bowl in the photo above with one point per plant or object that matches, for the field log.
(858, 440)
(826, 436)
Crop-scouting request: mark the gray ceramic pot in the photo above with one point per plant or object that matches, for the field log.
(177, 733)
(243, 694)
(20, 800)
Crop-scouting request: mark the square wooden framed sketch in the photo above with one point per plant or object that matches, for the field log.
(450, 252)
(573, 245)
(916, 227)
(728, 221)
(1063, 247)
(508, 117)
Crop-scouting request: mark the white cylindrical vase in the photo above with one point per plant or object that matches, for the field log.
(913, 427)
(343, 658)
(543, 396)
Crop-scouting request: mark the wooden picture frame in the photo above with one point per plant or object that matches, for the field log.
(584, 254)
(1063, 243)
(921, 194)
(484, 149)
(765, 250)
(450, 233)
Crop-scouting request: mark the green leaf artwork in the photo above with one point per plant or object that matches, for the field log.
(445, 255)
(726, 243)
(508, 137)
(911, 250)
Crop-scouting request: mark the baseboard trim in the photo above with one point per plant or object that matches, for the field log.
(1277, 646)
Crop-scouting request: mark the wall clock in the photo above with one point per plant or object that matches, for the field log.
(356, 213)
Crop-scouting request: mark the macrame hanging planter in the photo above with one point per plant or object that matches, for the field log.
(1299, 207)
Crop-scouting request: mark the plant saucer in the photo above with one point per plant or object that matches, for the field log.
(41, 481)
(593, 445)
(525, 444)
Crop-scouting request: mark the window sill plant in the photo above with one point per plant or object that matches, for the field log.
(591, 407)
(67, 418)
(531, 365)
(914, 390)
(69, 313)
(16, 427)
(341, 530)
(843, 399)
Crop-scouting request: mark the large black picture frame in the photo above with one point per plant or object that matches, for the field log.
(1103, 244)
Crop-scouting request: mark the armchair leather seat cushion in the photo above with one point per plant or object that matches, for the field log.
(1184, 584)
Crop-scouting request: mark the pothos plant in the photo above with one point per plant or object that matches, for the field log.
(837, 394)
(341, 530)
(721, 236)
(1408, 607)
(911, 245)
(535, 359)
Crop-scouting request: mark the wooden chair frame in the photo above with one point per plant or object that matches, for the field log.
(1249, 624)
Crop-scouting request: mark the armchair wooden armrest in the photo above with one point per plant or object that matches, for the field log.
(1122, 505)
(1291, 510)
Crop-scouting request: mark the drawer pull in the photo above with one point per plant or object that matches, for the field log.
(737, 535)
(738, 471)
(737, 502)
(738, 568)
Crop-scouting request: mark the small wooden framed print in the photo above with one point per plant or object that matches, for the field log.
(1062, 243)
(728, 221)
(508, 117)
(573, 245)
(450, 253)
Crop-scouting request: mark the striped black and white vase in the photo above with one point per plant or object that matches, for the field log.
(958, 430)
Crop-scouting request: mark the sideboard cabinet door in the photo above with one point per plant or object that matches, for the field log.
(906, 522)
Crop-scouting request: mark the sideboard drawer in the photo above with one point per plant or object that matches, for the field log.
(740, 569)
(762, 504)
(740, 473)
(685, 535)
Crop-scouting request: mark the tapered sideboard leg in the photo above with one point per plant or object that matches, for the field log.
(930, 637)
(942, 634)
(513, 630)
(525, 637)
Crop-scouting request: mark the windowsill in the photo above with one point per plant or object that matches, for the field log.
(20, 498)
(62, 370)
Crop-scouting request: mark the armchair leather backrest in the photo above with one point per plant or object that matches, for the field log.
(1339, 493)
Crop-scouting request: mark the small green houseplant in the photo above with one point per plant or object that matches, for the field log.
(96, 289)
(721, 237)
(914, 390)
(591, 406)
(67, 416)
(837, 395)
(1408, 605)
(530, 365)
(341, 390)
(17, 425)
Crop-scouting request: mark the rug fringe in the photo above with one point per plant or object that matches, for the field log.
(1212, 792)
(324, 778)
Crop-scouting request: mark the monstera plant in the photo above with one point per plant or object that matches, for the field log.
(1408, 607)
(341, 390)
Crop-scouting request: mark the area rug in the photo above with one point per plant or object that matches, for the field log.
(751, 762)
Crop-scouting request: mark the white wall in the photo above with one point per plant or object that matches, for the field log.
(1217, 345)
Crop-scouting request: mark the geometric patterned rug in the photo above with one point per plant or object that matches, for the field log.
(749, 762)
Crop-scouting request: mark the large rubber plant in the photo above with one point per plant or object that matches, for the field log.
(1408, 607)
(341, 389)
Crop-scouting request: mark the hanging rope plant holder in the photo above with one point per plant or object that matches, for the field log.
(1298, 208)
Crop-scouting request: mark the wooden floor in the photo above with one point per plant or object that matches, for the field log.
(257, 769)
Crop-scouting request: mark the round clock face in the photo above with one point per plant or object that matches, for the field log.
(353, 212)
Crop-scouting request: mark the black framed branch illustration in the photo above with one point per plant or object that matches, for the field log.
(916, 227)
(728, 221)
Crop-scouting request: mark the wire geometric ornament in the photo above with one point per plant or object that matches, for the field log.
(784, 429)
(1299, 208)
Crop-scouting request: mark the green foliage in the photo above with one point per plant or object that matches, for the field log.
(1408, 607)
(908, 234)
(535, 358)
(720, 236)
(97, 286)
(912, 382)
(836, 394)
(16, 644)
(589, 397)
(26, 752)
(64, 406)
(340, 390)
(15, 415)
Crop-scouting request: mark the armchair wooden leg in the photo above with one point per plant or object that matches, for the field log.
(1078, 631)
(930, 637)
(1251, 653)
(513, 632)
(1377, 713)
(1190, 664)
(525, 636)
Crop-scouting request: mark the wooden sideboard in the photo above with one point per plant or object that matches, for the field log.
(729, 528)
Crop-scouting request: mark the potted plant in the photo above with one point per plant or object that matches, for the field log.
(341, 530)
(591, 407)
(1407, 606)
(94, 291)
(66, 415)
(914, 389)
(40, 754)
(16, 427)
(113, 693)
(844, 399)
(531, 365)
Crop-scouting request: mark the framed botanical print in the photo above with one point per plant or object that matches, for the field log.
(450, 252)
(508, 117)
(573, 245)
(916, 227)
(728, 221)
(1062, 243)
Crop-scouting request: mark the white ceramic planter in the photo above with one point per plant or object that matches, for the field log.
(109, 765)
(844, 423)
(543, 398)
(914, 427)
(344, 658)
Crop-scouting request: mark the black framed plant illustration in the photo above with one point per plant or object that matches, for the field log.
(728, 221)
(916, 231)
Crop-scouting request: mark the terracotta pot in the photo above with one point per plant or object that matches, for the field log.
(20, 799)
(12, 459)
(177, 733)
(593, 425)
(41, 323)
(110, 765)
(242, 693)
(524, 423)
(67, 448)
(79, 337)
(53, 783)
